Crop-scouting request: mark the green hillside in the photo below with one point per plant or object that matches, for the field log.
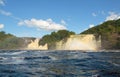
(110, 34)
(3, 36)
(9, 41)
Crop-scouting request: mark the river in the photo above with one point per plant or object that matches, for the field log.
(28, 63)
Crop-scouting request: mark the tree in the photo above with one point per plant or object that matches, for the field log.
(3, 35)
(55, 37)
(12, 43)
(109, 31)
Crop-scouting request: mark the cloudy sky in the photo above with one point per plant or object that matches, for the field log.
(35, 18)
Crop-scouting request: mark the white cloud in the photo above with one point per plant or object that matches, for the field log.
(91, 25)
(63, 22)
(93, 14)
(42, 24)
(1, 26)
(2, 2)
(5, 13)
(9, 15)
(16, 18)
(112, 16)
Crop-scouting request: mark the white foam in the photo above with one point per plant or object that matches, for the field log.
(95, 75)
(53, 58)
(3, 58)
(14, 60)
(19, 52)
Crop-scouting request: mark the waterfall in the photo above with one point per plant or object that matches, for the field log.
(34, 45)
(79, 42)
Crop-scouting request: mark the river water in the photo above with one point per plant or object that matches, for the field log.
(27, 63)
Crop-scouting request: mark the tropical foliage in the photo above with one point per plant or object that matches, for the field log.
(3, 36)
(9, 41)
(110, 33)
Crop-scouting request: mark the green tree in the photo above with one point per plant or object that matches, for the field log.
(3, 35)
(12, 43)
(55, 37)
(109, 31)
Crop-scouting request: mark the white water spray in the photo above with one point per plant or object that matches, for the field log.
(79, 42)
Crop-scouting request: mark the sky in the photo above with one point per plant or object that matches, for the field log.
(36, 18)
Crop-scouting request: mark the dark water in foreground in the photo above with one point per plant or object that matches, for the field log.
(18, 63)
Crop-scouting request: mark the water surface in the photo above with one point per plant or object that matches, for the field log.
(22, 63)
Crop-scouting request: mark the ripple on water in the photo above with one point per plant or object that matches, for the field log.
(59, 64)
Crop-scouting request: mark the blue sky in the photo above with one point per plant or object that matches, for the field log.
(35, 18)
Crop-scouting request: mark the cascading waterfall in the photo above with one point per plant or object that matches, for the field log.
(79, 42)
(74, 42)
(34, 45)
